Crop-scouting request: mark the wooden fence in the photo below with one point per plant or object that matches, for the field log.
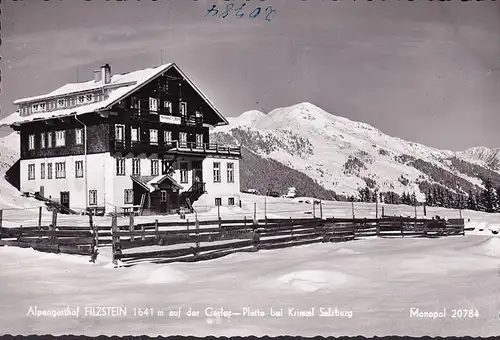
(189, 241)
(54, 238)
(159, 242)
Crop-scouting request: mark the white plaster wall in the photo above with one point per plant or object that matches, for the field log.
(76, 186)
(222, 190)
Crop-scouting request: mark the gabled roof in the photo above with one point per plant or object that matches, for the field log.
(120, 86)
(148, 182)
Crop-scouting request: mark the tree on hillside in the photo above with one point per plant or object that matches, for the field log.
(471, 201)
(488, 197)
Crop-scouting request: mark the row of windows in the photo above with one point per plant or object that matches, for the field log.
(135, 136)
(61, 103)
(46, 170)
(167, 106)
(184, 167)
(230, 201)
(128, 197)
(47, 138)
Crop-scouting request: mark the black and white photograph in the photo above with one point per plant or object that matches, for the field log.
(250, 168)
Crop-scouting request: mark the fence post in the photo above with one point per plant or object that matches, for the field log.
(314, 210)
(131, 226)
(94, 238)
(265, 212)
(156, 229)
(352, 207)
(383, 214)
(321, 209)
(376, 207)
(39, 221)
(378, 227)
(143, 237)
(255, 212)
(1, 217)
(244, 222)
(401, 226)
(54, 223)
(218, 215)
(197, 227)
(115, 239)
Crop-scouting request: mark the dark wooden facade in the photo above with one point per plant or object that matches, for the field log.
(131, 111)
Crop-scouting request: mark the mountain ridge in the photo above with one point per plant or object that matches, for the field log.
(344, 156)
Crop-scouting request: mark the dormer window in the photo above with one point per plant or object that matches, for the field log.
(60, 103)
(34, 108)
(81, 99)
(89, 97)
(183, 109)
(42, 107)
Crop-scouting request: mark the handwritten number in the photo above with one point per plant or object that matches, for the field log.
(239, 9)
(272, 10)
(252, 15)
(214, 8)
(226, 13)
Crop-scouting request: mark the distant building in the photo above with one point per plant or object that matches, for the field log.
(134, 139)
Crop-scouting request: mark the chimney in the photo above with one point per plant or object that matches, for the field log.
(97, 76)
(106, 74)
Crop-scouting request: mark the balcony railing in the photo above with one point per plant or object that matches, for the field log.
(174, 147)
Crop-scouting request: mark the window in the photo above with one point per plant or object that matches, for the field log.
(119, 132)
(49, 170)
(42, 106)
(31, 171)
(135, 103)
(165, 166)
(183, 109)
(230, 172)
(78, 169)
(60, 170)
(120, 166)
(129, 196)
(153, 136)
(89, 97)
(184, 172)
(167, 105)
(230, 201)
(42, 171)
(42, 140)
(167, 137)
(78, 136)
(81, 99)
(136, 166)
(134, 134)
(183, 139)
(49, 139)
(154, 167)
(60, 138)
(199, 140)
(216, 172)
(218, 201)
(163, 197)
(92, 197)
(31, 142)
(153, 105)
(60, 103)
(34, 108)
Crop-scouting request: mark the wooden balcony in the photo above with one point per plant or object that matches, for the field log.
(173, 148)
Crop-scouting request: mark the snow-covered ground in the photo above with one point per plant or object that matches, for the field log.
(374, 283)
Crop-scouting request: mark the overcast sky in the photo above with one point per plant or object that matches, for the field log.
(423, 71)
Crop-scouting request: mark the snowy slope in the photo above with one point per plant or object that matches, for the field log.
(344, 155)
(10, 197)
(486, 156)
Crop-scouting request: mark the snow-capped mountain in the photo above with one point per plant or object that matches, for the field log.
(344, 155)
(486, 156)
